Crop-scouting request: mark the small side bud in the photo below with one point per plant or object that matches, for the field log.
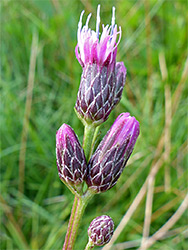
(71, 162)
(101, 230)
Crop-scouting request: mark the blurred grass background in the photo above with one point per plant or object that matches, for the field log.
(39, 82)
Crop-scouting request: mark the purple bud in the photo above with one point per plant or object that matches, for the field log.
(101, 230)
(71, 160)
(112, 154)
(102, 79)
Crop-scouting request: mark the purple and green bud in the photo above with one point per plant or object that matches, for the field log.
(71, 162)
(101, 230)
(102, 79)
(112, 154)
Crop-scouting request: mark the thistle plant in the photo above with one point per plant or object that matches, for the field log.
(83, 171)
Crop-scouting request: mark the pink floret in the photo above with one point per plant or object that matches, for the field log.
(94, 49)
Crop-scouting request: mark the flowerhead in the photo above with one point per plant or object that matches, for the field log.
(112, 154)
(102, 79)
(70, 156)
(101, 230)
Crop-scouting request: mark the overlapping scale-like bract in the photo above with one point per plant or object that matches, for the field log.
(112, 154)
(102, 79)
(70, 156)
(101, 230)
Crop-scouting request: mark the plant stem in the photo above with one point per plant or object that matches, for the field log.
(89, 132)
(94, 140)
(78, 208)
(74, 207)
(89, 246)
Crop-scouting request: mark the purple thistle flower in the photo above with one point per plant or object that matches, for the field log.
(101, 230)
(102, 79)
(112, 154)
(71, 162)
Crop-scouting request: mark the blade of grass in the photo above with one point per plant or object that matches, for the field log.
(177, 94)
(130, 41)
(136, 243)
(30, 86)
(168, 119)
(167, 138)
(148, 210)
(13, 226)
(164, 229)
(148, 56)
(166, 207)
(38, 22)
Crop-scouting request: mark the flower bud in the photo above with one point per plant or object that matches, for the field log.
(70, 156)
(102, 79)
(101, 230)
(112, 154)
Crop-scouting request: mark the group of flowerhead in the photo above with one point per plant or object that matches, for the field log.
(101, 87)
(105, 165)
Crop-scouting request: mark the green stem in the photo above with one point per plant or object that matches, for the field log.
(89, 132)
(94, 140)
(78, 208)
(89, 246)
(65, 246)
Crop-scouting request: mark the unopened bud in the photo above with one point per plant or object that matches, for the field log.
(70, 156)
(112, 154)
(101, 230)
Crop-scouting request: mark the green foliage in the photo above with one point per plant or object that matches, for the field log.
(38, 218)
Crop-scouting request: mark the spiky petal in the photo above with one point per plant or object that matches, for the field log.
(102, 79)
(101, 230)
(70, 156)
(92, 49)
(112, 154)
